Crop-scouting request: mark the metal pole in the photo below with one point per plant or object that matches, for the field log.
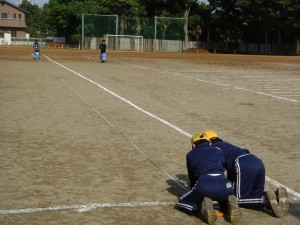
(186, 32)
(117, 32)
(117, 24)
(155, 27)
(82, 29)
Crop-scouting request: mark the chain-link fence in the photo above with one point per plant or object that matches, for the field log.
(163, 28)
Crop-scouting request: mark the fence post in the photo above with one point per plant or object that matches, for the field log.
(186, 32)
(155, 27)
(82, 34)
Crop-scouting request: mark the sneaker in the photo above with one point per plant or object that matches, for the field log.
(281, 194)
(235, 213)
(271, 203)
(208, 211)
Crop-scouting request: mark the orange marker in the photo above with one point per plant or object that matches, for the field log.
(219, 213)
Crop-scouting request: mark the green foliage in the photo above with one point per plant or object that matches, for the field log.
(220, 20)
(34, 23)
(256, 20)
(130, 8)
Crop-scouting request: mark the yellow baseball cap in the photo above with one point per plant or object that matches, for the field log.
(199, 136)
(210, 134)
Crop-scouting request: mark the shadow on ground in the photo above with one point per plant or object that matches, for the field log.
(180, 186)
(295, 208)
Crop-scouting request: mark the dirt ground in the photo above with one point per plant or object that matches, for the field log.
(83, 142)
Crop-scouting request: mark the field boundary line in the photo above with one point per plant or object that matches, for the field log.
(248, 90)
(276, 183)
(221, 84)
(124, 100)
(85, 208)
(119, 131)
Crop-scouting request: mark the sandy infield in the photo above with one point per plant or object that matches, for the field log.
(84, 142)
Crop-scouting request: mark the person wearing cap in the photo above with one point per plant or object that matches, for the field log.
(247, 174)
(205, 166)
(102, 48)
(36, 49)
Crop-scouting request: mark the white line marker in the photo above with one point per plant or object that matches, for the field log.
(84, 208)
(125, 100)
(240, 87)
(245, 89)
(122, 134)
(296, 194)
(263, 93)
(277, 184)
(283, 92)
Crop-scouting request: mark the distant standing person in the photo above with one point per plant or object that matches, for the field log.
(36, 49)
(102, 48)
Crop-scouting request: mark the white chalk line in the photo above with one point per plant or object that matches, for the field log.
(125, 100)
(84, 208)
(268, 179)
(277, 184)
(125, 136)
(296, 194)
(227, 85)
(121, 133)
(249, 90)
(284, 92)
(266, 94)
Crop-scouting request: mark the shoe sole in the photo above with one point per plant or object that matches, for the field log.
(209, 212)
(235, 213)
(282, 200)
(211, 216)
(276, 208)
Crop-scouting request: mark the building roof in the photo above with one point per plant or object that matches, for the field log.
(2, 2)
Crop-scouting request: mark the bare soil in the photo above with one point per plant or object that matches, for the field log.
(66, 141)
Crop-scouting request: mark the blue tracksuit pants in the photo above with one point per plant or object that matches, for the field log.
(248, 179)
(218, 188)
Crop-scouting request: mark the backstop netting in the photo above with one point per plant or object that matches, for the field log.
(163, 28)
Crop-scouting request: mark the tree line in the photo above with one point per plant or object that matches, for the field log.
(233, 21)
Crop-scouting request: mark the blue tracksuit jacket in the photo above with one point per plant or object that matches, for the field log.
(204, 160)
(206, 173)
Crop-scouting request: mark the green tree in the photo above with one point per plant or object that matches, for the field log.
(130, 8)
(256, 20)
(34, 23)
(124, 9)
(287, 21)
(296, 24)
(227, 18)
(270, 21)
(155, 7)
(220, 20)
(47, 28)
(65, 16)
(200, 22)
